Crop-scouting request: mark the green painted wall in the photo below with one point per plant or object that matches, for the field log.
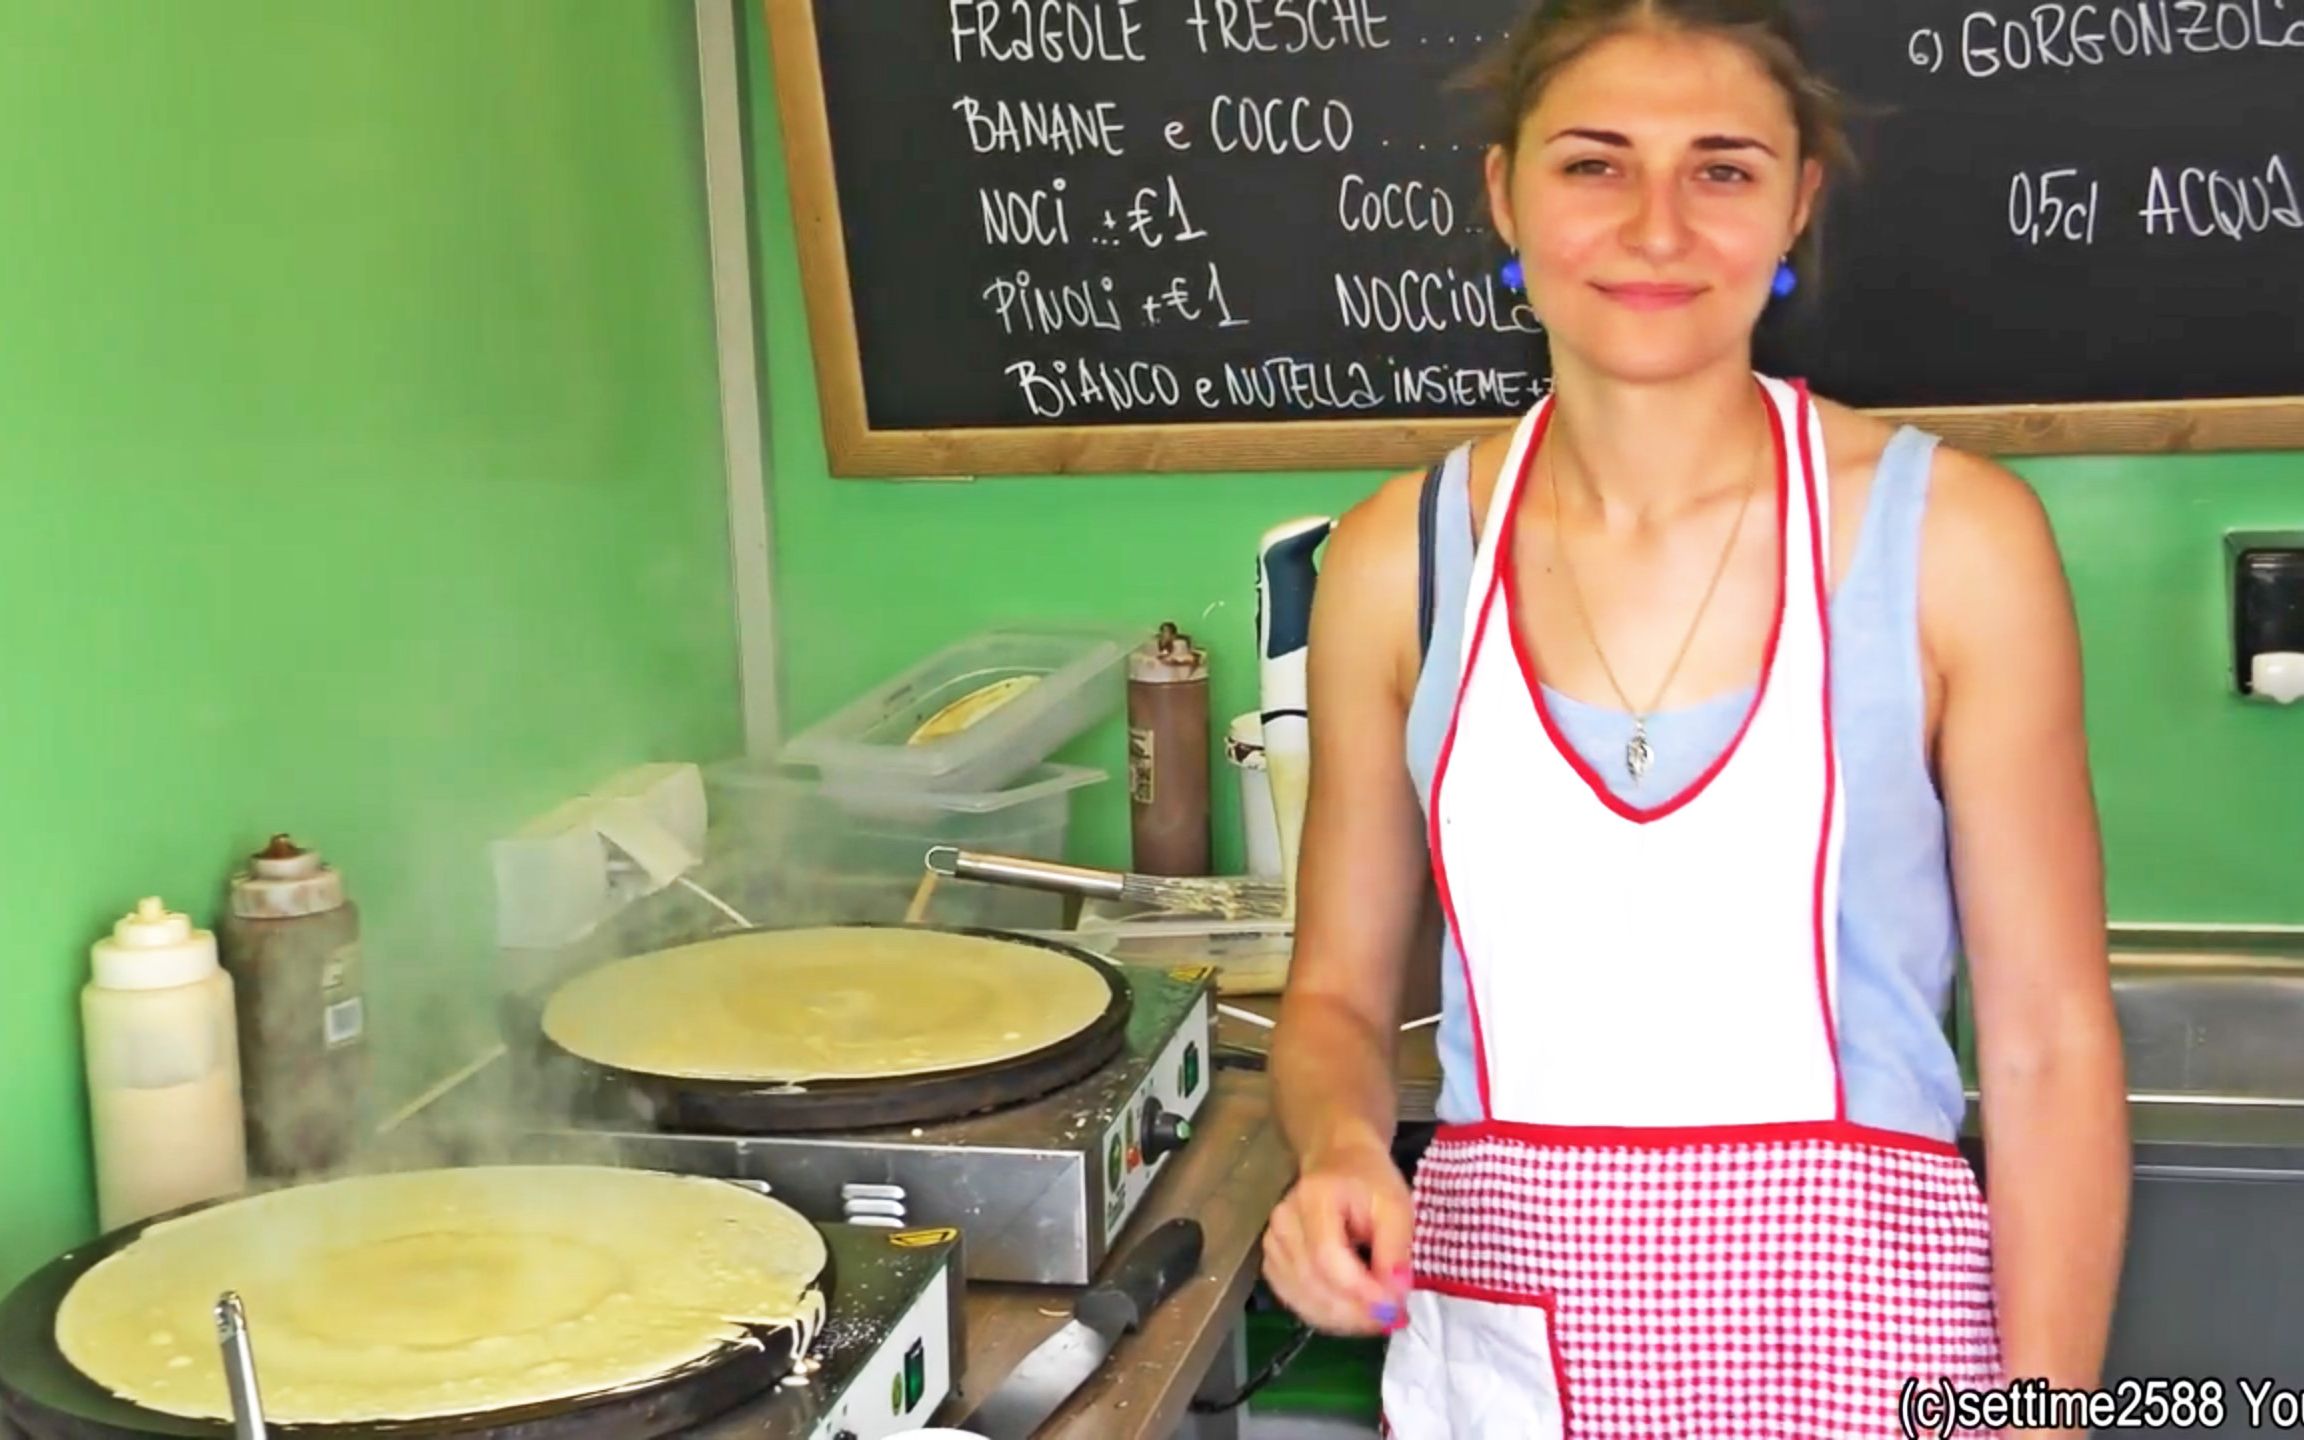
(359, 475)
(2199, 790)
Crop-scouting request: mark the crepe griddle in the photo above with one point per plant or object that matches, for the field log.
(729, 1107)
(48, 1398)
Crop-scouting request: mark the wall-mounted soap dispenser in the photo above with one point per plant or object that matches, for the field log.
(2267, 576)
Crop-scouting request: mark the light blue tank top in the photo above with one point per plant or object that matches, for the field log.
(1898, 929)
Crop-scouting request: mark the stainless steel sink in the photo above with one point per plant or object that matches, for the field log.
(2219, 1025)
(2212, 1023)
(2209, 1015)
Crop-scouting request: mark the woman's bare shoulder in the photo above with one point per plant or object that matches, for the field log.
(1991, 575)
(1853, 440)
(1981, 515)
(1376, 537)
(1366, 599)
(1380, 532)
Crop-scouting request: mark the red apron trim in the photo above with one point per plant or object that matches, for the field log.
(1508, 578)
(1544, 1300)
(1503, 579)
(1440, 780)
(1665, 1137)
(1818, 543)
(1447, 896)
(1440, 866)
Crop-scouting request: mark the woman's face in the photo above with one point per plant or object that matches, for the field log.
(1655, 187)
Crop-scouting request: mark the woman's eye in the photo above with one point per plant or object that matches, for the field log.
(1727, 174)
(1587, 167)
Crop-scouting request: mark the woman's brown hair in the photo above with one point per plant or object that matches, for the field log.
(1554, 33)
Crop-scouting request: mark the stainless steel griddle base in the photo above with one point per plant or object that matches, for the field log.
(886, 1360)
(1039, 1188)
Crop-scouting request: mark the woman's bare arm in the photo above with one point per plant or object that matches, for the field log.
(1361, 866)
(1361, 879)
(2026, 857)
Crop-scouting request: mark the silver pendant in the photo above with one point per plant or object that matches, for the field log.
(1637, 755)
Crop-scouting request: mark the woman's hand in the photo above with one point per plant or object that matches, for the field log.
(1347, 1201)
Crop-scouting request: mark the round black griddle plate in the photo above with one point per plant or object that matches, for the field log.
(746, 1108)
(47, 1397)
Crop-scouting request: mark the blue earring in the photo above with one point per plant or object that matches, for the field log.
(1514, 278)
(1787, 279)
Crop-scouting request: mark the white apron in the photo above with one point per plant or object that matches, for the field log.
(1665, 1224)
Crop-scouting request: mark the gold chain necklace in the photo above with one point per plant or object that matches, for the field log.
(1638, 754)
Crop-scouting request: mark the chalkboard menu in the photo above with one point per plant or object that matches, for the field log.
(1064, 235)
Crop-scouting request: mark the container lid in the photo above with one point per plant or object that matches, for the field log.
(154, 948)
(768, 787)
(284, 880)
(1042, 782)
(974, 715)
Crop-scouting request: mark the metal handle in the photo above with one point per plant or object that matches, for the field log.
(1029, 874)
(239, 1368)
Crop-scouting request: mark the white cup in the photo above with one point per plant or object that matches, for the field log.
(1244, 747)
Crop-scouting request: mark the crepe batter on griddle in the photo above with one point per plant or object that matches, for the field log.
(825, 1004)
(445, 1292)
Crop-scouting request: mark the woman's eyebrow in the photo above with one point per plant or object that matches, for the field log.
(1702, 142)
(1732, 142)
(1603, 137)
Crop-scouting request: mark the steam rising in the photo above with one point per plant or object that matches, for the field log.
(476, 1084)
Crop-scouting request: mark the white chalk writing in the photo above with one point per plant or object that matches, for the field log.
(2059, 36)
(1057, 389)
(1287, 27)
(2054, 205)
(2202, 201)
(1050, 31)
(1013, 217)
(1016, 127)
(1035, 309)
(1157, 215)
(1466, 387)
(1297, 126)
(1399, 205)
(1418, 301)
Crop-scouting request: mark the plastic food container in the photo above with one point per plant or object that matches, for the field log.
(820, 853)
(973, 717)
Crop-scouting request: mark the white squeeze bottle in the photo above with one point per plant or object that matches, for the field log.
(163, 1068)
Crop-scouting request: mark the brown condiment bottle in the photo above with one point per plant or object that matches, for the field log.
(291, 940)
(1168, 755)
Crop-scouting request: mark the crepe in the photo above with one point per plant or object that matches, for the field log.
(836, 1003)
(445, 1292)
(969, 709)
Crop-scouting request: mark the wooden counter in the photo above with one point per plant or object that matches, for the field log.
(1228, 1178)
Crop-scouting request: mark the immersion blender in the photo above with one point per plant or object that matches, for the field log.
(1285, 577)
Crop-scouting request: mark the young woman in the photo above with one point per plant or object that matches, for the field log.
(1742, 712)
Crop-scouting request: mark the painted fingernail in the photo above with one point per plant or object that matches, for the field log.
(1387, 1314)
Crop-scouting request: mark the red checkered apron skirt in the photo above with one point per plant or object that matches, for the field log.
(1778, 1288)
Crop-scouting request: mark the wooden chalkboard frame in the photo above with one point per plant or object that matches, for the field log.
(854, 449)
